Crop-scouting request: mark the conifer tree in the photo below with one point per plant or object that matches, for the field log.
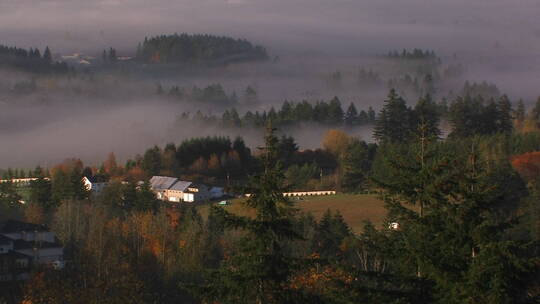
(259, 272)
(504, 117)
(47, 56)
(394, 121)
(351, 116)
(40, 190)
(452, 232)
(427, 117)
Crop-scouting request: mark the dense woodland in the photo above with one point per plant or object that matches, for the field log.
(30, 60)
(198, 49)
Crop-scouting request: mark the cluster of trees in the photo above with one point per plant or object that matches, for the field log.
(468, 116)
(329, 113)
(212, 94)
(197, 158)
(30, 60)
(415, 54)
(418, 62)
(109, 57)
(484, 89)
(477, 116)
(369, 78)
(198, 49)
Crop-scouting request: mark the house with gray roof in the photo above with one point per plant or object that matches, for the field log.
(24, 245)
(172, 189)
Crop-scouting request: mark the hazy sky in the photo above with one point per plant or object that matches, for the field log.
(341, 26)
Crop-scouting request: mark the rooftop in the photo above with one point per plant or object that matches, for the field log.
(5, 240)
(180, 185)
(22, 244)
(162, 182)
(11, 226)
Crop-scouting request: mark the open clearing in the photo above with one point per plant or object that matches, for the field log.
(354, 208)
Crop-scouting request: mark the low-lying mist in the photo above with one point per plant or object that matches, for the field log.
(97, 112)
(128, 129)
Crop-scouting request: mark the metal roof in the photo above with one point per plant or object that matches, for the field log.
(162, 182)
(180, 186)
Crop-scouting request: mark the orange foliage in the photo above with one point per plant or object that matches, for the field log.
(336, 142)
(319, 279)
(33, 213)
(174, 217)
(68, 165)
(213, 163)
(135, 174)
(527, 165)
(156, 58)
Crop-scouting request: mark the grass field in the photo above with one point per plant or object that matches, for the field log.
(354, 208)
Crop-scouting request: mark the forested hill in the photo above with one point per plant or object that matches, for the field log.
(30, 60)
(198, 49)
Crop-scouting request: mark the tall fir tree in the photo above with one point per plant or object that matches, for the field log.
(259, 271)
(351, 116)
(394, 121)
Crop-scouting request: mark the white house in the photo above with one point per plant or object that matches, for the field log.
(172, 189)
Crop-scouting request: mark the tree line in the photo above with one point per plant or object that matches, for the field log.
(329, 113)
(30, 60)
(212, 94)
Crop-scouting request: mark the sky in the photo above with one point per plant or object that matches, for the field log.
(344, 27)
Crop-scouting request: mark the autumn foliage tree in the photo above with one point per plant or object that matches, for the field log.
(527, 164)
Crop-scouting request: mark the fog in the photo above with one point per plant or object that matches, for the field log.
(496, 40)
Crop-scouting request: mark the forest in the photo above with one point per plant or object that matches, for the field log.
(198, 49)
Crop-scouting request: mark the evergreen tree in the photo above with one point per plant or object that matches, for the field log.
(351, 116)
(9, 197)
(259, 272)
(250, 96)
(394, 121)
(335, 112)
(426, 118)
(329, 234)
(40, 190)
(520, 114)
(151, 162)
(504, 117)
(47, 56)
(112, 55)
(454, 237)
(357, 165)
(535, 112)
(145, 199)
(371, 114)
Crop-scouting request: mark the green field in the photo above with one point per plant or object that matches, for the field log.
(354, 208)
